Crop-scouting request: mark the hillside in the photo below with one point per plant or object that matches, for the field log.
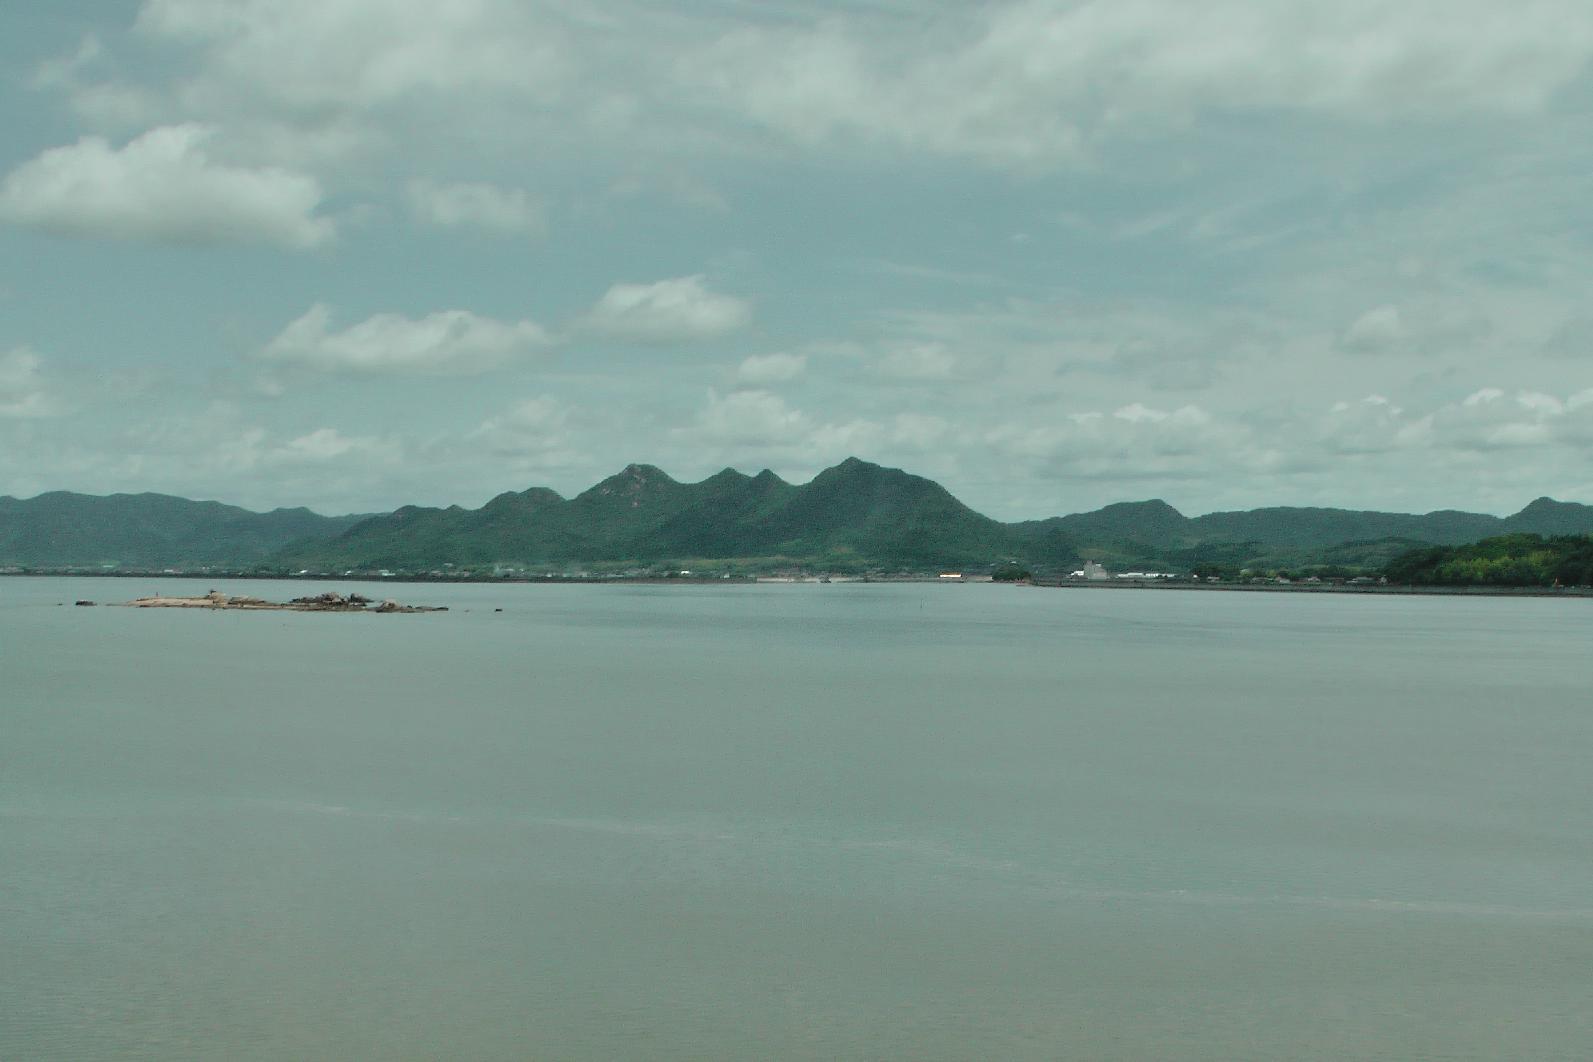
(63, 529)
(1518, 559)
(856, 516)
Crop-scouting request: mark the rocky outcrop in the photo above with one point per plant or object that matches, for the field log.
(326, 602)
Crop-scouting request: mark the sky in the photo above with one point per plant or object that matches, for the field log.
(354, 254)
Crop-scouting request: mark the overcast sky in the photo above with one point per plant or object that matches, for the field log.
(358, 253)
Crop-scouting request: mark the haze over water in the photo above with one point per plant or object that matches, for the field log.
(912, 821)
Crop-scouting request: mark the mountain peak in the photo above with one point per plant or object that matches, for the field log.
(1153, 507)
(633, 477)
(728, 475)
(855, 468)
(636, 486)
(1545, 516)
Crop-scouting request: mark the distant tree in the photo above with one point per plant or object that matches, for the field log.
(1011, 572)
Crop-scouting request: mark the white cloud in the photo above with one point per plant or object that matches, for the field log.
(1026, 84)
(1374, 425)
(163, 187)
(534, 433)
(759, 418)
(760, 369)
(483, 206)
(1487, 420)
(319, 55)
(220, 451)
(1031, 83)
(1137, 413)
(1135, 442)
(446, 342)
(22, 387)
(668, 311)
(918, 361)
(1375, 331)
(756, 424)
(329, 444)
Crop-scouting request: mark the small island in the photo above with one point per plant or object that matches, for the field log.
(327, 602)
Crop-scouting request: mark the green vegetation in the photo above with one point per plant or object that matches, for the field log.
(855, 518)
(1505, 560)
(62, 529)
(1011, 572)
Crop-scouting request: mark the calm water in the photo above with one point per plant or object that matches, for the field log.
(927, 822)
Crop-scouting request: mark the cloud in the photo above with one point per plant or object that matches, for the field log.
(1373, 425)
(219, 451)
(1017, 85)
(759, 425)
(442, 343)
(1135, 442)
(315, 55)
(22, 387)
(757, 418)
(532, 433)
(482, 206)
(1035, 83)
(760, 369)
(1487, 421)
(1492, 420)
(918, 361)
(163, 187)
(668, 311)
(1375, 331)
(324, 82)
(328, 444)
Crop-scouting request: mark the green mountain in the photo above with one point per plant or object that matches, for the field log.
(1154, 529)
(1313, 528)
(63, 529)
(856, 516)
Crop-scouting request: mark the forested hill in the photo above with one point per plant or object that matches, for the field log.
(62, 529)
(859, 515)
(1159, 525)
(1507, 560)
(854, 516)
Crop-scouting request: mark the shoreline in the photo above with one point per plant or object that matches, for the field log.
(171, 601)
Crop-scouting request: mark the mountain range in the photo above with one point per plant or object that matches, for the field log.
(855, 516)
(62, 529)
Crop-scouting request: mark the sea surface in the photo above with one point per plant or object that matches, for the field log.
(795, 822)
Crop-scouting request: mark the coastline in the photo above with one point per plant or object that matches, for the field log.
(748, 580)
